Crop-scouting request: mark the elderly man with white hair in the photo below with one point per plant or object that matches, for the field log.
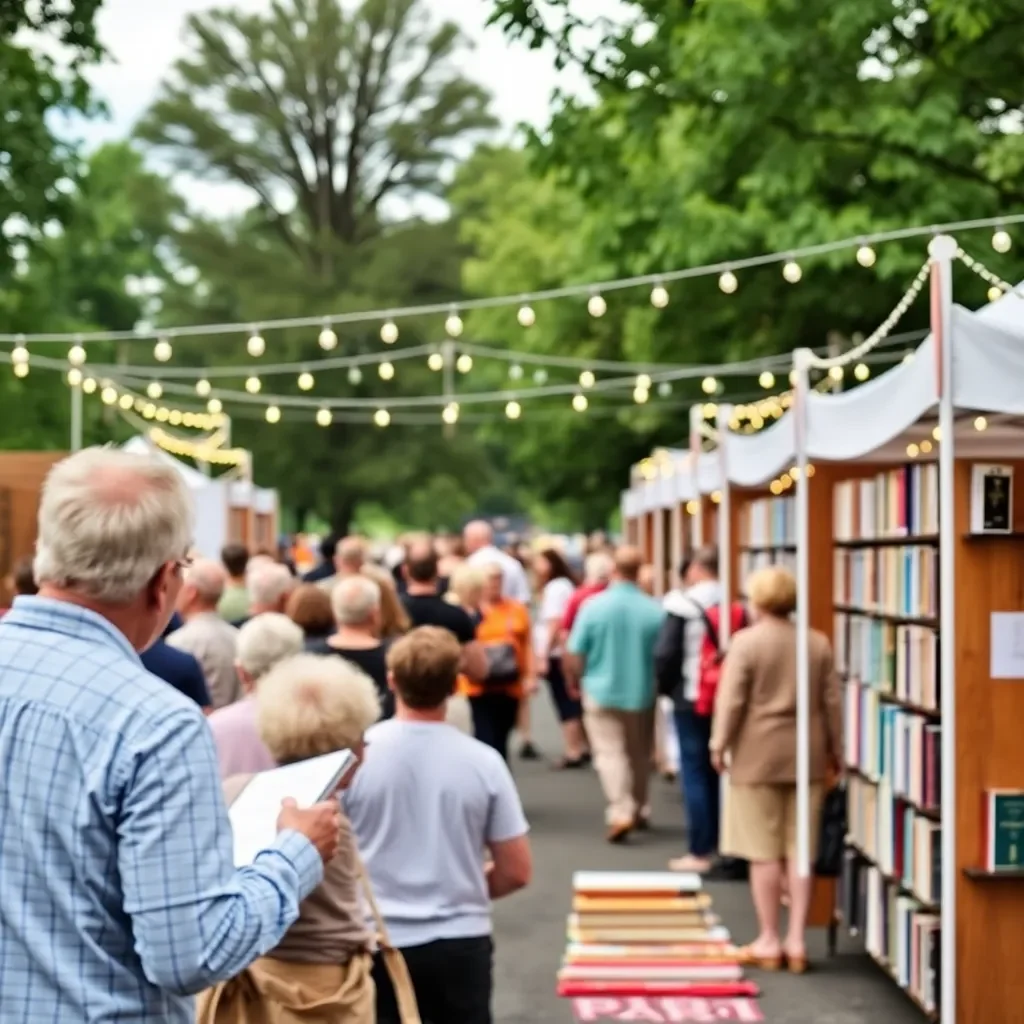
(478, 537)
(119, 895)
(262, 643)
(269, 585)
(205, 635)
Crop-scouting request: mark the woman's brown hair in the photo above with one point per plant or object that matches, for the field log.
(309, 607)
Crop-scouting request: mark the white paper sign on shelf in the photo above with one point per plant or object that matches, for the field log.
(1006, 645)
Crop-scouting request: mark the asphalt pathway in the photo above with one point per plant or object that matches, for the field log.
(565, 813)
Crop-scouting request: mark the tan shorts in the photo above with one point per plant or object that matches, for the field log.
(761, 822)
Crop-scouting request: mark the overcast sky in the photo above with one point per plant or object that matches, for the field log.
(144, 39)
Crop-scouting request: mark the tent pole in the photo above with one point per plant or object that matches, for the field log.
(76, 419)
(724, 539)
(942, 251)
(696, 422)
(801, 366)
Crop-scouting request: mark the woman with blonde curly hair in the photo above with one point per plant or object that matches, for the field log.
(309, 705)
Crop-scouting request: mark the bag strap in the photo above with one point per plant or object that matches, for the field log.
(394, 962)
(709, 626)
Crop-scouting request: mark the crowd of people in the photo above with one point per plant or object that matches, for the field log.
(142, 687)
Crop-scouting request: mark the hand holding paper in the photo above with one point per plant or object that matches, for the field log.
(320, 824)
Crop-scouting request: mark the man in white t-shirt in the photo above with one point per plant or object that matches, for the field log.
(479, 540)
(427, 805)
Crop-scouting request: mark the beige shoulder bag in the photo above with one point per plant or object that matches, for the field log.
(398, 972)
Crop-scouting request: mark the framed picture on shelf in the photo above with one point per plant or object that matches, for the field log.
(991, 499)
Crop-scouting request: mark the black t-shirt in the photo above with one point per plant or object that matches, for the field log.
(431, 610)
(372, 661)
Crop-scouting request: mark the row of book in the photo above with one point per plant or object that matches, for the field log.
(901, 581)
(903, 844)
(897, 659)
(902, 935)
(641, 933)
(901, 502)
(751, 561)
(769, 522)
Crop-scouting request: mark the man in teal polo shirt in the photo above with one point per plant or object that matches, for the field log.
(611, 658)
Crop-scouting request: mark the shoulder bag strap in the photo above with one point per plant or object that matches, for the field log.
(709, 626)
(394, 962)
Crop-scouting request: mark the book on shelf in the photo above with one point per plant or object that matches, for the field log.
(1003, 830)
(718, 950)
(898, 581)
(583, 904)
(631, 884)
(769, 522)
(587, 921)
(680, 970)
(899, 502)
(646, 935)
(752, 561)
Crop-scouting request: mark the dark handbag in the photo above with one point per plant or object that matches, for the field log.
(502, 665)
(832, 838)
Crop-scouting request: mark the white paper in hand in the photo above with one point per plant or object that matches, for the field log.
(255, 810)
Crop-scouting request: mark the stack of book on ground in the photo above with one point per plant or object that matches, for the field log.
(647, 933)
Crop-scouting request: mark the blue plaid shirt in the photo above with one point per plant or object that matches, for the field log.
(118, 894)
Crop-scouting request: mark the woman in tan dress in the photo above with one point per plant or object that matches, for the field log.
(320, 973)
(754, 734)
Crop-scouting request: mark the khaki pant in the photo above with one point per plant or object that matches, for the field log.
(621, 743)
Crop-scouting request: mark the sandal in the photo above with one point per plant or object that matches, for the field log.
(746, 956)
(796, 964)
(570, 763)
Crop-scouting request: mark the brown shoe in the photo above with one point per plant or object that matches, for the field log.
(618, 833)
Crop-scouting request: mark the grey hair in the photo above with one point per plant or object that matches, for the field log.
(108, 520)
(598, 567)
(265, 640)
(354, 599)
(267, 584)
(209, 579)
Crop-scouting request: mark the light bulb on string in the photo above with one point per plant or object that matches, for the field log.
(936, 433)
(108, 396)
(640, 395)
(323, 417)
(255, 346)
(450, 413)
(767, 379)
(76, 355)
(861, 371)
(435, 361)
(273, 414)
(908, 357)
(643, 381)
(253, 385)
(515, 371)
(163, 415)
(355, 375)
(540, 376)
(1001, 241)
(995, 293)
(154, 390)
(74, 376)
(126, 402)
(659, 296)
(306, 380)
(728, 282)
(175, 418)
(203, 388)
(665, 389)
(791, 271)
(709, 410)
(162, 351)
(513, 410)
(327, 339)
(89, 385)
(453, 325)
(596, 306)
(386, 371)
(389, 332)
(19, 355)
(913, 451)
(464, 363)
(214, 406)
(980, 423)
(866, 256)
(382, 417)
(580, 403)
(21, 370)
(149, 411)
(709, 385)
(835, 373)
(587, 379)
(526, 316)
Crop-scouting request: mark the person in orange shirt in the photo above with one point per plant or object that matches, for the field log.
(504, 633)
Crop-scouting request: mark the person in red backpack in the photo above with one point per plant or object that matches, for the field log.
(688, 660)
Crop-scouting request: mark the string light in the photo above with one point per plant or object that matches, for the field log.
(327, 339)
(909, 357)
(862, 371)
(355, 375)
(835, 373)
(273, 414)
(587, 379)
(162, 351)
(255, 346)
(203, 387)
(709, 410)
(515, 371)
(19, 355)
(791, 271)
(659, 296)
(526, 316)
(926, 447)
(253, 385)
(435, 361)
(74, 377)
(154, 390)
(453, 325)
(643, 381)
(450, 413)
(389, 332)
(540, 376)
(580, 403)
(126, 402)
(214, 406)
(89, 385)
(1001, 241)
(767, 379)
(995, 293)
(323, 417)
(866, 256)
(382, 417)
(306, 381)
(203, 451)
(936, 433)
(913, 451)
(728, 282)
(596, 306)
(640, 395)
(386, 371)
(513, 410)
(665, 388)
(709, 385)
(464, 363)
(980, 423)
(775, 487)
(692, 508)
(108, 396)
(76, 355)
(21, 370)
